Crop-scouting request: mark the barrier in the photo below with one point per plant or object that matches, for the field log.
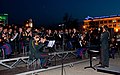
(17, 60)
(24, 59)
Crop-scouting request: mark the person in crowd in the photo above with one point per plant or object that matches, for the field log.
(104, 47)
(20, 40)
(57, 39)
(113, 47)
(36, 47)
(27, 35)
(75, 38)
(15, 40)
(50, 36)
(1, 31)
(10, 33)
(82, 47)
(7, 50)
(118, 42)
(68, 44)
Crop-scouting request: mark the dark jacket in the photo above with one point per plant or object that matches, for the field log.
(35, 50)
(104, 40)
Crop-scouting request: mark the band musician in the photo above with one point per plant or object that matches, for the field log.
(36, 47)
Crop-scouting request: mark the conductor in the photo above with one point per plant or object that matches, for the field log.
(104, 60)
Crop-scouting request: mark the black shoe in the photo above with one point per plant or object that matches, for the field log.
(99, 63)
(45, 67)
(106, 66)
(101, 66)
(78, 57)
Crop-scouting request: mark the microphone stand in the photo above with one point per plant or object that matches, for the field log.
(63, 47)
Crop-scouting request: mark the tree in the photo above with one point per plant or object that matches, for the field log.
(69, 21)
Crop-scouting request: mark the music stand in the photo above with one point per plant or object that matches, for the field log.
(63, 47)
(51, 43)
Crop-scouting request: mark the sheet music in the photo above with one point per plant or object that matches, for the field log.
(14, 36)
(51, 43)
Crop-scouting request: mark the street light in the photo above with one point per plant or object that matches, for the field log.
(116, 30)
(84, 27)
(99, 29)
(27, 25)
(30, 23)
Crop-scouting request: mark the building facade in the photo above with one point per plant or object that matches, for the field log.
(112, 21)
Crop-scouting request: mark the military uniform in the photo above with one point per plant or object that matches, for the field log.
(36, 52)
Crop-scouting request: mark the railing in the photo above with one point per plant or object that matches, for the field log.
(25, 59)
(15, 60)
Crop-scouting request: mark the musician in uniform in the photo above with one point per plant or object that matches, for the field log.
(20, 40)
(27, 35)
(36, 47)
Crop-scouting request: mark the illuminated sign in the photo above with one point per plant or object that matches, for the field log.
(3, 17)
(88, 18)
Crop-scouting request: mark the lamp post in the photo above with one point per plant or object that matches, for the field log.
(116, 30)
(30, 23)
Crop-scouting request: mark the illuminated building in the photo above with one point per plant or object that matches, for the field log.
(4, 19)
(112, 21)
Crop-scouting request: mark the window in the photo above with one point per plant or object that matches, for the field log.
(118, 25)
(118, 20)
(110, 21)
(101, 22)
(114, 21)
(86, 23)
(110, 25)
(114, 25)
(97, 22)
(105, 21)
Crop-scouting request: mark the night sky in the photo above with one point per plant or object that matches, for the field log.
(52, 11)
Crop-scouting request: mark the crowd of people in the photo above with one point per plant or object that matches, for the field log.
(14, 39)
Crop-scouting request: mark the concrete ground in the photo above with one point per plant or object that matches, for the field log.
(78, 69)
